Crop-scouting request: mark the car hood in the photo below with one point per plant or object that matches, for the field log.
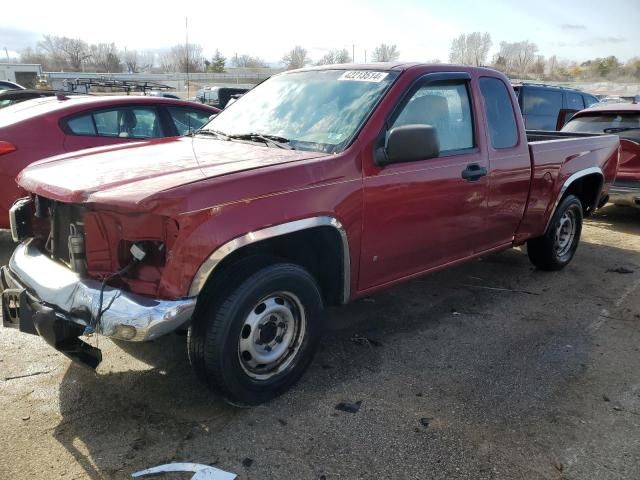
(128, 174)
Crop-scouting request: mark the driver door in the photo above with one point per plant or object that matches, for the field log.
(423, 214)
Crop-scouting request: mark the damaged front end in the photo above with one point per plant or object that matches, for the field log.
(79, 270)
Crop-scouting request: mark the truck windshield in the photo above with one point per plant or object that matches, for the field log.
(318, 110)
(627, 124)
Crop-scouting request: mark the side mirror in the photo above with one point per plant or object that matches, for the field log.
(409, 143)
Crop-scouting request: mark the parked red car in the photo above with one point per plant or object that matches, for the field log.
(44, 127)
(622, 119)
(317, 187)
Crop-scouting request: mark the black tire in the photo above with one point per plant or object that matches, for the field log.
(555, 249)
(221, 328)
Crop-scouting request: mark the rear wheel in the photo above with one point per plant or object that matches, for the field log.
(257, 342)
(556, 248)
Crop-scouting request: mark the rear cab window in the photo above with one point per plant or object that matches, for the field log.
(501, 119)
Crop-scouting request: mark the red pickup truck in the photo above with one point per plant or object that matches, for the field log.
(317, 187)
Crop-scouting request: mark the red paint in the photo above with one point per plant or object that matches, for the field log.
(401, 220)
(629, 168)
(30, 131)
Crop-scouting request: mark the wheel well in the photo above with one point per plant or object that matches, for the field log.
(587, 189)
(318, 249)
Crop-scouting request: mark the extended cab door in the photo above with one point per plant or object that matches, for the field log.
(510, 173)
(423, 214)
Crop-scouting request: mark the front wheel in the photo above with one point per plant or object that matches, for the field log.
(555, 249)
(257, 342)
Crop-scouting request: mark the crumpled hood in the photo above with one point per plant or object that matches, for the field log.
(127, 174)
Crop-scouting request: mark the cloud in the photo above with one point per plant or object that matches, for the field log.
(573, 26)
(594, 41)
(15, 39)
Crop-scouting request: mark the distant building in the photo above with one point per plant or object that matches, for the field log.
(26, 74)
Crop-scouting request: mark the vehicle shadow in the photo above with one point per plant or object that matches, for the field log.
(617, 218)
(144, 406)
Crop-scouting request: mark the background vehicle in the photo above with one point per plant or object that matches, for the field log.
(318, 187)
(155, 93)
(622, 120)
(547, 107)
(11, 97)
(7, 85)
(68, 123)
(219, 96)
(611, 99)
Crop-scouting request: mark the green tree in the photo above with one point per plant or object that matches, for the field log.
(217, 63)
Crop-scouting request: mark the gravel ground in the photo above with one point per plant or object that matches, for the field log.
(488, 370)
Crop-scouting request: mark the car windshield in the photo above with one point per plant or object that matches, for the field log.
(598, 123)
(318, 110)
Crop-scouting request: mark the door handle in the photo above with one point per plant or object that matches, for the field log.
(473, 172)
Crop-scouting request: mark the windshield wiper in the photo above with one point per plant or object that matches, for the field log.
(619, 129)
(213, 133)
(271, 140)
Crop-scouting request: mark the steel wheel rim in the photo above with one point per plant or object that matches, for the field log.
(565, 233)
(271, 335)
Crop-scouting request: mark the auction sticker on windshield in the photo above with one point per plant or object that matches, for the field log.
(363, 76)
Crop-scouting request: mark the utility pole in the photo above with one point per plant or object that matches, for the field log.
(365, 55)
(6, 52)
(353, 53)
(186, 31)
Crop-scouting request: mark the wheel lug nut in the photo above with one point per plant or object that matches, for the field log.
(282, 325)
(279, 339)
(267, 348)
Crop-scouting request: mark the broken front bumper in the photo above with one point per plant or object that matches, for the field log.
(39, 294)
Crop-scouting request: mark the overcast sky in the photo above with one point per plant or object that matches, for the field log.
(422, 30)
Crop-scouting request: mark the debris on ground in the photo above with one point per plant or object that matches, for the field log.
(202, 472)
(619, 270)
(606, 398)
(349, 407)
(32, 374)
(247, 462)
(499, 289)
(425, 421)
(361, 340)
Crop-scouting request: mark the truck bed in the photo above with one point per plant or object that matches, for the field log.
(534, 136)
(555, 157)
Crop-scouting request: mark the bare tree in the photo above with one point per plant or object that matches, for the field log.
(175, 59)
(516, 58)
(296, 58)
(385, 53)
(247, 61)
(335, 57)
(76, 52)
(30, 55)
(470, 49)
(105, 57)
(538, 67)
(552, 66)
